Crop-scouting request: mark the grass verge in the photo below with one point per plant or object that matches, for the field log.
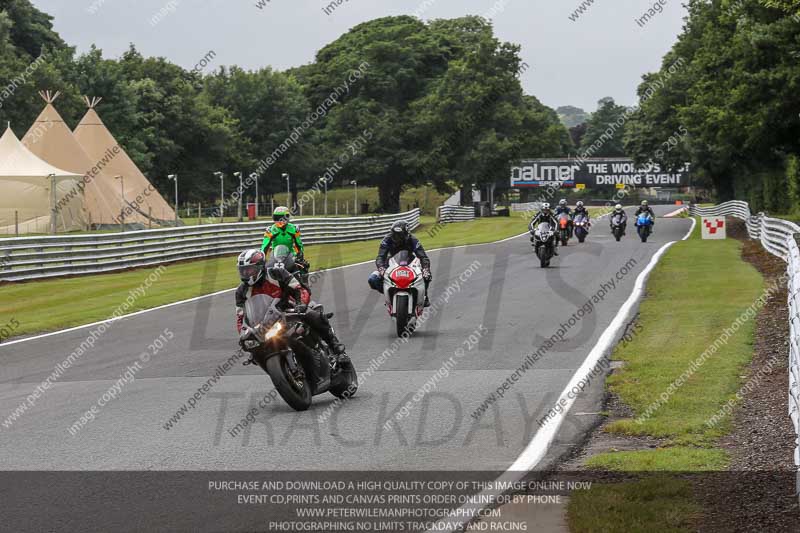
(54, 304)
(699, 289)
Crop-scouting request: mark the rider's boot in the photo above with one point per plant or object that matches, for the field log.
(329, 336)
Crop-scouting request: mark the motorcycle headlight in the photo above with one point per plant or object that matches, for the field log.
(274, 330)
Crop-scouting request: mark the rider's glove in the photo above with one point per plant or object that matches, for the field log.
(301, 308)
(426, 274)
(381, 271)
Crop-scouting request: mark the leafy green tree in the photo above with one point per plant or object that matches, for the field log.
(606, 129)
(736, 95)
(269, 107)
(475, 118)
(396, 58)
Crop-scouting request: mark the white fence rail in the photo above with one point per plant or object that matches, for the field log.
(27, 258)
(454, 213)
(780, 238)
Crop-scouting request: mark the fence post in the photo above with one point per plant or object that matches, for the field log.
(149, 218)
(199, 214)
(16, 223)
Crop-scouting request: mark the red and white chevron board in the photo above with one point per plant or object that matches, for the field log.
(713, 227)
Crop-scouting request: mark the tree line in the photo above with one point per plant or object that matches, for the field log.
(436, 102)
(733, 106)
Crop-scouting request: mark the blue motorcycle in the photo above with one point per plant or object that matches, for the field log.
(644, 226)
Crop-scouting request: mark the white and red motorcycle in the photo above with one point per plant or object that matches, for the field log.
(404, 290)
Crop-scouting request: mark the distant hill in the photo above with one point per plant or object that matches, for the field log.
(572, 116)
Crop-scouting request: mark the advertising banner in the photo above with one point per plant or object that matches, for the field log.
(592, 173)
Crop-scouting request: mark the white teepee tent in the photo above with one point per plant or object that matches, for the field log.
(52, 140)
(26, 195)
(140, 195)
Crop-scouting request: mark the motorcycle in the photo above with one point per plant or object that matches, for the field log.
(404, 290)
(564, 229)
(543, 238)
(644, 226)
(617, 228)
(297, 361)
(581, 224)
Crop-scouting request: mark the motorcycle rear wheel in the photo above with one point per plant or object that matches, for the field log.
(296, 393)
(345, 383)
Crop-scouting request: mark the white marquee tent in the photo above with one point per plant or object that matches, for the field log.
(26, 199)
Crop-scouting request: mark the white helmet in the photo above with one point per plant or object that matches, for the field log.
(252, 266)
(562, 202)
(618, 207)
(545, 206)
(579, 204)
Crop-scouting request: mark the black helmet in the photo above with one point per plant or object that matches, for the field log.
(282, 258)
(251, 265)
(400, 231)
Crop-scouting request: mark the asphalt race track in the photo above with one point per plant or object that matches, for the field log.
(518, 304)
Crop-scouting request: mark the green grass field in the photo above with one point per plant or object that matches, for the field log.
(697, 290)
(54, 304)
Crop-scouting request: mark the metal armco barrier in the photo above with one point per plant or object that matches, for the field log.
(454, 213)
(27, 258)
(780, 238)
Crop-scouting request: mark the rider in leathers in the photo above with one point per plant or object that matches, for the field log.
(545, 215)
(645, 208)
(618, 210)
(400, 239)
(581, 210)
(277, 282)
(564, 208)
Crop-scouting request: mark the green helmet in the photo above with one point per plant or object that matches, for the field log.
(281, 214)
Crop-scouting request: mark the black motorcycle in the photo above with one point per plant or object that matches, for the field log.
(543, 238)
(300, 364)
(617, 229)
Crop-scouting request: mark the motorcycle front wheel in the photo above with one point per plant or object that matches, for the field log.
(544, 256)
(294, 389)
(402, 318)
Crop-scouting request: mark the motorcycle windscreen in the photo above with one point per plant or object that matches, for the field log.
(402, 258)
(260, 309)
(544, 228)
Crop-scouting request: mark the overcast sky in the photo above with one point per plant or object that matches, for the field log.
(602, 53)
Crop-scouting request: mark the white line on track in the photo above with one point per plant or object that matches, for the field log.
(540, 444)
(190, 300)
